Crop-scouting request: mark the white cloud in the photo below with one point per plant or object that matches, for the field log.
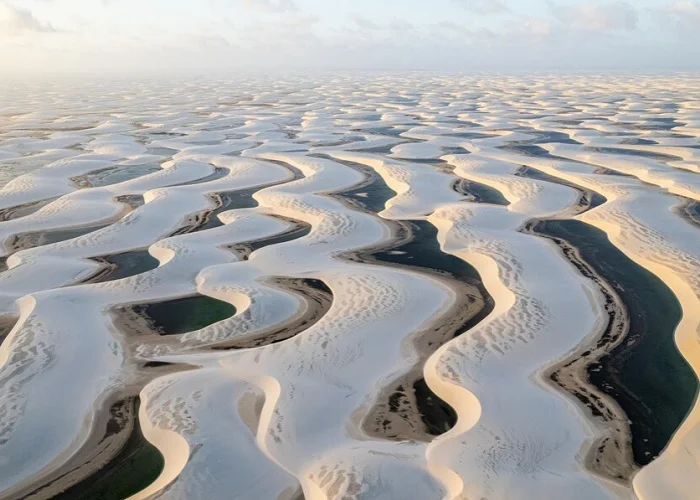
(526, 30)
(16, 20)
(282, 33)
(682, 17)
(207, 42)
(274, 6)
(686, 8)
(365, 23)
(483, 6)
(614, 16)
(292, 33)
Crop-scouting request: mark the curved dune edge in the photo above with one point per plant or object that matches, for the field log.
(69, 210)
(26, 306)
(676, 473)
(199, 445)
(416, 195)
(173, 447)
(464, 402)
(649, 171)
(68, 262)
(671, 475)
(343, 310)
(105, 294)
(469, 406)
(322, 380)
(272, 390)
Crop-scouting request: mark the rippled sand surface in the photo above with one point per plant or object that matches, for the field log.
(352, 286)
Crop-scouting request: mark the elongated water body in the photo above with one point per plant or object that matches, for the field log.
(114, 175)
(388, 131)
(124, 265)
(385, 150)
(32, 240)
(527, 150)
(421, 247)
(531, 147)
(23, 210)
(635, 152)
(548, 137)
(474, 191)
(589, 199)
(299, 230)
(161, 151)
(421, 250)
(218, 173)
(645, 374)
(372, 194)
(480, 193)
(229, 200)
(418, 249)
(137, 464)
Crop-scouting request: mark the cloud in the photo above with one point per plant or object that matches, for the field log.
(614, 16)
(483, 6)
(274, 6)
(526, 30)
(207, 42)
(16, 20)
(685, 7)
(365, 23)
(682, 17)
(401, 25)
(286, 34)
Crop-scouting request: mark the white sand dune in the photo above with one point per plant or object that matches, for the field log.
(529, 318)
(215, 415)
(641, 222)
(276, 400)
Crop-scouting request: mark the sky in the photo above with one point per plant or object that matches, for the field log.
(212, 36)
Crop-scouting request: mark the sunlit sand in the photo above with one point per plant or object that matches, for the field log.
(245, 262)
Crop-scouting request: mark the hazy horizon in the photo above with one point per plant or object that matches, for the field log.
(224, 36)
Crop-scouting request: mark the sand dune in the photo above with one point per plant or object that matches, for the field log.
(270, 272)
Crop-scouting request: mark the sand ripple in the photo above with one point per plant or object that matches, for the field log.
(234, 188)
